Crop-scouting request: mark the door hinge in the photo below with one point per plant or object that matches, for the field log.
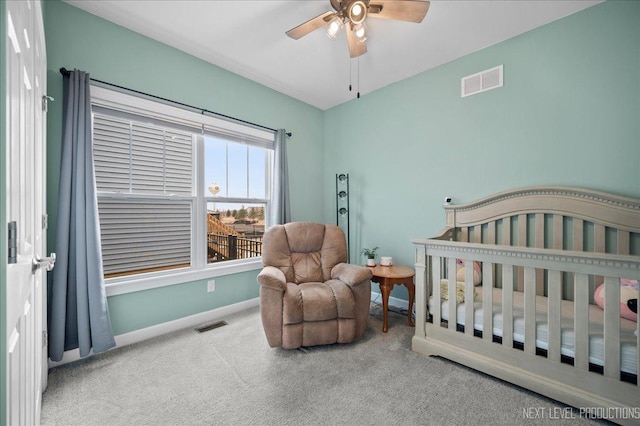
(13, 242)
(45, 221)
(45, 338)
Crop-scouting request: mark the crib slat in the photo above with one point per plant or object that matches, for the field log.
(612, 328)
(464, 234)
(491, 233)
(468, 298)
(623, 242)
(451, 271)
(522, 230)
(436, 296)
(580, 306)
(507, 306)
(558, 231)
(539, 224)
(487, 301)
(554, 316)
(522, 241)
(581, 321)
(423, 287)
(558, 242)
(578, 234)
(599, 238)
(476, 237)
(530, 311)
(598, 245)
(539, 229)
(506, 231)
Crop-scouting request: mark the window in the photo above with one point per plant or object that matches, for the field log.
(177, 190)
(236, 198)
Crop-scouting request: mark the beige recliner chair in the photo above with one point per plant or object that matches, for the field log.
(308, 294)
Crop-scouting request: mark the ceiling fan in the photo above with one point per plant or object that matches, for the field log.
(352, 15)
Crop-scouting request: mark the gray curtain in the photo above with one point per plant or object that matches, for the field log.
(78, 311)
(280, 208)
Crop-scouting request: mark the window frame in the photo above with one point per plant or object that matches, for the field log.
(225, 129)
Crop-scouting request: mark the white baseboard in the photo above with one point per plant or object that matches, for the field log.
(164, 328)
(194, 320)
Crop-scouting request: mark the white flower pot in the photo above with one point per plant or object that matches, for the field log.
(371, 262)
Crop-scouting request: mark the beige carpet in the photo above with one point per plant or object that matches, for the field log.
(229, 376)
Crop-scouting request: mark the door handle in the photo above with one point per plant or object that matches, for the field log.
(47, 262)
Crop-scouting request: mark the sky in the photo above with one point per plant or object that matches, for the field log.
(226, 164)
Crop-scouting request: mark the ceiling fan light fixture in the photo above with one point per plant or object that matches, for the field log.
(361, 32)
(334, 26)
(357, 12)
(354, 13)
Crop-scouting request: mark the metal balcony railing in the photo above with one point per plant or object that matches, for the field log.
(227, 247)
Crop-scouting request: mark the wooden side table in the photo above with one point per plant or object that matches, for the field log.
(387, 277)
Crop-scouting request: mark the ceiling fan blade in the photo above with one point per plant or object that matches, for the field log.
(309, 26)
(356, 47)
(401, 10)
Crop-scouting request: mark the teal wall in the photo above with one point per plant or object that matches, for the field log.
(568, 114)
(76, 39)
(3, 217)
(178, 300)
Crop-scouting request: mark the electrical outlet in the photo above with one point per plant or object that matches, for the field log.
(211, 286)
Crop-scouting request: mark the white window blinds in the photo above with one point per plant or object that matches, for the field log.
(134, 158)
(144, 235)
(139, 158)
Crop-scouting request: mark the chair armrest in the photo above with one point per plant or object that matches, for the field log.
(272, 277)
(351, 274)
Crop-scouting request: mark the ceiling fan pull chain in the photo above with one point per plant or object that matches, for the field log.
(358, 77)
(350, 74)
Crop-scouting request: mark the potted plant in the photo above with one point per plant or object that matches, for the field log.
(370, 254)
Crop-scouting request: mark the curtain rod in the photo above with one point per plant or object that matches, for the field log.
(66, 72)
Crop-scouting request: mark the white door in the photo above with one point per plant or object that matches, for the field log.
(26, 280)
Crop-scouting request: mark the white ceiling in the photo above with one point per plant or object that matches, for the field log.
(248, 38)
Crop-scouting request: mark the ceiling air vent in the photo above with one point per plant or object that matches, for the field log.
(482, 81)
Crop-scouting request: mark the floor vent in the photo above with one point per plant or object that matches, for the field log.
(482, 81)
(210, 326)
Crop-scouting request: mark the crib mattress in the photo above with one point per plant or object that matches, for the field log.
(628, 350)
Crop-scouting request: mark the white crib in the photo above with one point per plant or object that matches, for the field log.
(542, 251)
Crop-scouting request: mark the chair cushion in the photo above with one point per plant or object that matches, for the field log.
(304, 251)
(307, 267)
(304, 237)
(317, 301)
